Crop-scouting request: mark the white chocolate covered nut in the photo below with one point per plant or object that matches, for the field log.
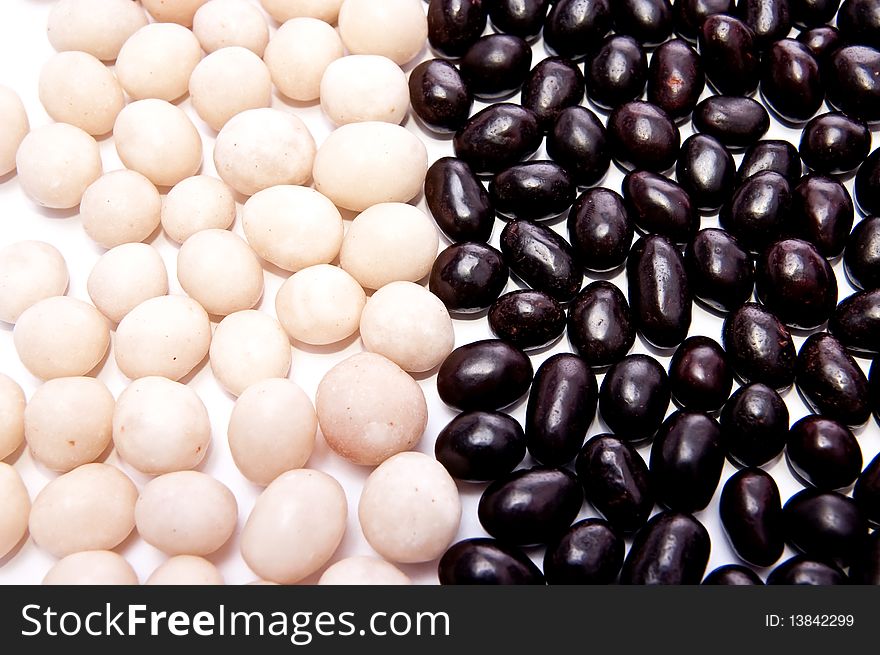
(228, 82)
(223, 23)
(160, 426)
(167, 336)
(396, 29)
(186, 570)
(92, 567)
(282, 10)
(120, 207)
(272, 430)
(195, 204)
(410, 509)
(98, 27)
(157, 61)
(61, 337)
(362, 88)
(69, 422)
(12, 405)
(370, 571)
(90, 508)
(186, 513)
(247, 347)
(295, 526)
(173, 11)
(15, 128)
(30, 271)
(298, 55)
(126, 276)
(369, 409)
(14, 509)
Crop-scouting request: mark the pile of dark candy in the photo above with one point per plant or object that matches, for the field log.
(780, 226)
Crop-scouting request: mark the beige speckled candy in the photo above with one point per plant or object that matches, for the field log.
(120, 207)
(167, 336)
(369, 409)
(247, 347)
(223, 23)
(298, 55)
(157, 61)
(186, 570)
(173, 11)
(272, 430)
(388, 243)
(92, 567)
(361, 88)
(295, 526)
(362, 164)
(90, 508)
(61, 337)
(363, 571)
(12, 405)
(98, 27)
(260, 148)
(56, 163)
(186, 513)
(15, 127)
(69, 422)
(30, 271)
(197, 203)
(293, 227)
(126, 276)
(397, 29)
(409, 325)
(160, 426)
(228, 82)
(282, 10)
(158, 140)
(410, 509)
(14, 509)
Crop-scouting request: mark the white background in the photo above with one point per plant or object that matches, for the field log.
(23, 50)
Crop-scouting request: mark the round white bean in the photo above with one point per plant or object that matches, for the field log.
(92, 567)
(228, 82)
(30, 271)
(195, 204)
(282, 10)
(15, 128)
(12, 405)
(223, 23)
(298, 55)
(14, 509)
(186, 570)
(247, 347)
(126, 276)
(397, 29)
(362, 88)
(157, 61)
(173, 11)
(120, 207)
(98, 27)
(370, 571)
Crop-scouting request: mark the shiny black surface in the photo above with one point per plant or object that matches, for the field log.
(600, 324)
(497, 137)
(822, 213)
(852, 82)
(730, 54)
(480, 446)
(790, 81)
(617, 73)
(523, 18)
(867, 491)
(720, 272)
(759, 211)
(657, 205)
(867, 184)
(759, 346)
(856, 322)
(866, 567)
(802, 570)
(690, 14)
(634, 397)
(771, 155)
(834, 143)
(535, 190)
(458, 201)
(822, 42)
(591, 552)
(487, 562)
(648, 21)
(439, 96)
(527, 319)
(672, 549)
(754, 423)
(578, 143)
(751, 514)
(824, 453)
(735, 575)
(676, 79)
(700, 376)
(496, 65)
(552, 85)
(643, 136)
(574, 27)
(542, 259)
(484, 375)
(770, 20)
(600, 229)
(706, 170)
(454, 25)
(825, 524)
(812, 13)
(859, 21)
(735, 121)
(468, 277)
(862, 255)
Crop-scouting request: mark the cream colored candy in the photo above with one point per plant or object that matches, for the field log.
(282, 10)
(223, 23)
(15, 128)
(272, 430)
(410, 509)
(69, 422)
(362, 88)
(298, 55)
(173, 11)
(320, 305)
(98, 27)
(220, 271)
(12, 406)
(61, 337)
(293, 227)
(77, 88)
(369, 409)
(90, 508)
(120, 207)
(195, 204)
(92, 567)
(388, 243)
(370, 571)
(157, 61)
(397, 29)
(14, 509)
(228, 82)
(186, 513)
(260, 148)
(30, 271)
(247, 347)
(160, 426)
(186, 570)
(126, 276)
(362, 164)
(166, 336)
(158, 140)
(56, 164)
(295, 526)
(409, 325)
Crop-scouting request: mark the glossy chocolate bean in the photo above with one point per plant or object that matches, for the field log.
(823, 453)
(531, 506)
(759, 211)
(754, 423)
(616, 482)
(574, 27)
(591, 552)
(672, 549)
(790, 81)
(634, 397)
(522, 18)
(751, 515)
(647, 21)
(706, 171)
(822, 213)
(496, 66)
(856, 322)
(866, 567)
(700, 376)
(874, 389)
(690, 14)
(468, 277)
(535, 190)
(735, 121)
(734, 575)
(561, 408)
(852, 82)
(439, 96)
(822, 41)
(542, 259)
(835, 144)
(642, 136)
(527, 319)
(796, 283)
(867, 184)
(831, 381)
(759, 346)
(497, 137)
(859, 22)
(455, 25)
(554, 84)
(770, 20)
(771, 155)
(676, 79)
(600, 324)
(480, 446)
(802, 570)
(659, 292)
(812, 13)
(867, 491)
(487, 562)
(579, 144)
(600, 230)
(862, 255)
(658, 205)
(458, 201)
(729, 53)
(720, 272)
(617, 73)
(825, 524)
(484, 375)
